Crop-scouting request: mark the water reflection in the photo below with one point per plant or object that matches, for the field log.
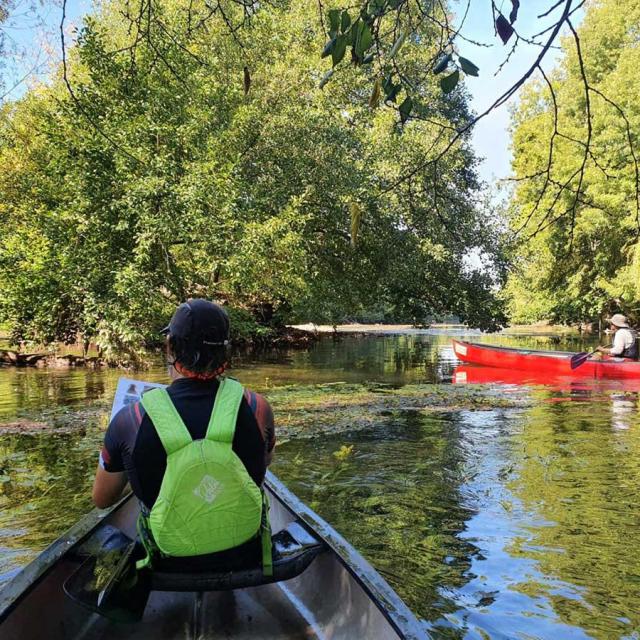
(491, 524)
(45, 487)
(579, 473)
(495, 524)
(23, 390)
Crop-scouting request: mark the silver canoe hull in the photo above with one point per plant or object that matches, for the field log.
(340, 596)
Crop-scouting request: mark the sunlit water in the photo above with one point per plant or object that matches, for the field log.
(507, 523)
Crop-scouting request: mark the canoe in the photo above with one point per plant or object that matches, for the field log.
(339, 595)
(556, 363)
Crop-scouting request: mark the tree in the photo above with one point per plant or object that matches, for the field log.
(575, 205)
(198, 164)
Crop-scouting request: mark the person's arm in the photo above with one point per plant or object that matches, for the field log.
(111, 477)
(618, 344)
(264, 417)
(108, 487)
(270, 433)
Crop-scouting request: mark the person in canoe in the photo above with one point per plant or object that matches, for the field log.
(195, 454)
(625, 344)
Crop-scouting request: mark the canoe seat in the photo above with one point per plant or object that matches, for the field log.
(102, 583)
(294, 548)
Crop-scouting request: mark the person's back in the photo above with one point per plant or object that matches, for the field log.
(624, 339)
(204, 430)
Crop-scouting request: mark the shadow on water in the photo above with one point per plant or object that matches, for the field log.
(502, 523)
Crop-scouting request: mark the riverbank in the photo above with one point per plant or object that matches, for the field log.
(58, 356)
(537, 329)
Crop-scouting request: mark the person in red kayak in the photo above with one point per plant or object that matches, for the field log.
(625, 344)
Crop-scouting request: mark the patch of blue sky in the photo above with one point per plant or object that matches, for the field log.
(491, 136)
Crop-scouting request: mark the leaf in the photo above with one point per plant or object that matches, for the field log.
(338, 51)
(344, 452)
(513, 16)
(405, 109)
(442, 63)
(368, 59)
(326, 78)
(505, 30)
(345, 22)
(397, 44)
(378, 6)
(367, 38)
(448, 83)
(468, 67)
(364, 39)
(328, 48)
(374, 99)
(356, 219)
(334, 22)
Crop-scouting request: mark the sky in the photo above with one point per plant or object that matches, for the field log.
(38, 34)
(491, 137)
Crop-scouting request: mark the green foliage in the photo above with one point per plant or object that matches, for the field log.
(582, 262)
(197, 164)
(244, 327)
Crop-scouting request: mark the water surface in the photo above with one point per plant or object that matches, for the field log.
(502, 523)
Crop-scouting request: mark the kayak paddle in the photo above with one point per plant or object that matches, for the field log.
(580, 358)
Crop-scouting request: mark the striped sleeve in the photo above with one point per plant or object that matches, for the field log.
(119, 437)
(264, 417)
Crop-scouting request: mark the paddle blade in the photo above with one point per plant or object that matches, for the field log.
(579, 359)
(107, 582)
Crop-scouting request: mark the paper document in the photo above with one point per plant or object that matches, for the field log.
(129, 391)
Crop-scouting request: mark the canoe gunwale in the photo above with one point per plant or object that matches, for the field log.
(560, 355)
(386, 599)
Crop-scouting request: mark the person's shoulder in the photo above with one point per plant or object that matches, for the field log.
(257, 402)
(128, 417)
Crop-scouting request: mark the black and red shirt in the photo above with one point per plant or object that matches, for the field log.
(132, 444)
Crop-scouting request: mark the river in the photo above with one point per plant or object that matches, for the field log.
(517, 518)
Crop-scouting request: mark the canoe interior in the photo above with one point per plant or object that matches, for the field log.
(523, 352)
(338, 597)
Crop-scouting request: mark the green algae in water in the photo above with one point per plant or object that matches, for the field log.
(503, 523)
(494, 511)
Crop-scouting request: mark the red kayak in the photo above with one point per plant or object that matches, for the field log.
(553, 363)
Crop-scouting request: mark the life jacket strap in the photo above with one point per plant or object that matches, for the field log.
(144, 534)
(166, 420)
(265, 534)
(222, 423)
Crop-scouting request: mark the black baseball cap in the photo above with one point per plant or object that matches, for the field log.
(200, 321)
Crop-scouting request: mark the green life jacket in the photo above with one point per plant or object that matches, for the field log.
(208, 502)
